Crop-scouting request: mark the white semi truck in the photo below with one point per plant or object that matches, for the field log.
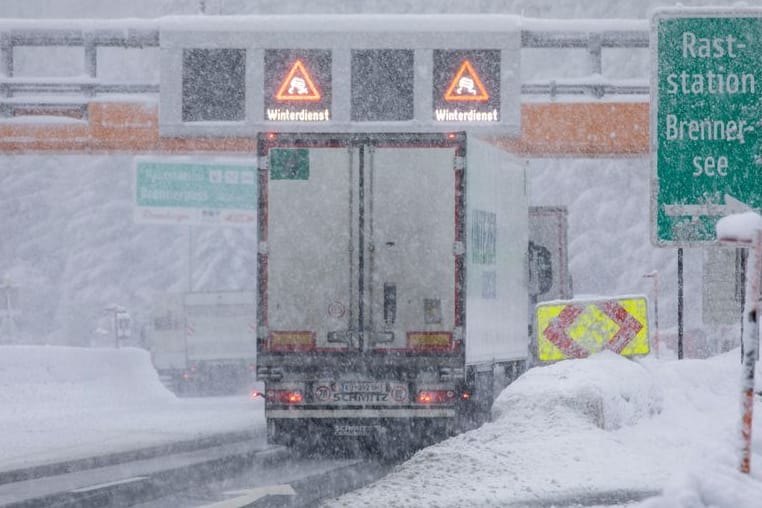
(204, 341)
(392, 283)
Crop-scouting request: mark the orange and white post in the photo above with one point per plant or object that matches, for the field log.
(750, 344)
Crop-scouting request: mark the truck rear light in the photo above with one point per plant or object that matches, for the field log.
(435, 396)
(429, 341)
(191, 372)
(285, 396)
(292, 341)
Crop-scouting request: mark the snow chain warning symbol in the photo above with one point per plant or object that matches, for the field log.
(298, 86)
(466, 85)
(577, 329)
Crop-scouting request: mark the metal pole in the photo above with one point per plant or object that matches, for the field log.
(116, 332)
(190, 259)
(656, 312)
(680, 303)
(655, 276)
(750, 341)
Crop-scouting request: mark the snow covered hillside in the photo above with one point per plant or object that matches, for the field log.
(71, 247)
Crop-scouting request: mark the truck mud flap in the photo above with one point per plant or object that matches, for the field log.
(376, 437)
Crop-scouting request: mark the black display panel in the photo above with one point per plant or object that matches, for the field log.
(297, 85)
(382, 85)
(214, 85)
(466, 86)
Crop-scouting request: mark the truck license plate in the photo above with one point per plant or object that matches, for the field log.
(354, 430)
(362, 387)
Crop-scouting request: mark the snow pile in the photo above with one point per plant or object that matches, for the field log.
(578, 430)
(722, 486)
(615, 392)
(65, 403)
(67, 379)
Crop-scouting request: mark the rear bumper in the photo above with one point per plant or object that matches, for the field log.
(294, 413)
(310, 363)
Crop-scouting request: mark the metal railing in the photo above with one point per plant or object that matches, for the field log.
(18, 94)
(594, 43)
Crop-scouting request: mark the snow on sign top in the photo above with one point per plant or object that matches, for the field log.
(362, 23)
(706, 96)
(739, 227)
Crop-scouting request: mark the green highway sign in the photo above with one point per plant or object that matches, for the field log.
(706, 87)
(187, 192)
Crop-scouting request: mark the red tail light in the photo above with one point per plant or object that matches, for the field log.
(285, 396)
(435, 396)
(255, 394)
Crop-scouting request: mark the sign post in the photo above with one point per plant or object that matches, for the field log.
(747, 229)
(751, 345)
(655, 276)
(706, 87)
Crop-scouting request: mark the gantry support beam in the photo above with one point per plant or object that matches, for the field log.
(584, 129)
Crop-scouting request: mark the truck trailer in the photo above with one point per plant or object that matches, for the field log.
(203, 342)
(392, 300)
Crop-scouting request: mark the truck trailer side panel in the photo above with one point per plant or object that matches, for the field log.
(496, 325)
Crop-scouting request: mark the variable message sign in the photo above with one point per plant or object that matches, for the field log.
(706, 86)
(339, 73)
(185, 192)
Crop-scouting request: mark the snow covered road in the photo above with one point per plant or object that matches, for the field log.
(574, 432)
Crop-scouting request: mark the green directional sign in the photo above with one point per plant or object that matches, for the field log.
(706, 87)
(180, 192)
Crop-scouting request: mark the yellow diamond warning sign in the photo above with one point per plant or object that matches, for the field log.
(298, 86)
(577, 329)
(466, 85)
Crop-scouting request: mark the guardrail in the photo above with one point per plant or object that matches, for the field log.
(19, 94)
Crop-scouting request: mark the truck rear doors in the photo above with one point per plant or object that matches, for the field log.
(360, 243)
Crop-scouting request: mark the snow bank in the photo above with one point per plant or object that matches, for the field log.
(68, 378)
(62, 403)
(578, 429)
(721, 487)
(609, 392)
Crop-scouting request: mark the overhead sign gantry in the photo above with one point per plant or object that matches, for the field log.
(340, 73)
